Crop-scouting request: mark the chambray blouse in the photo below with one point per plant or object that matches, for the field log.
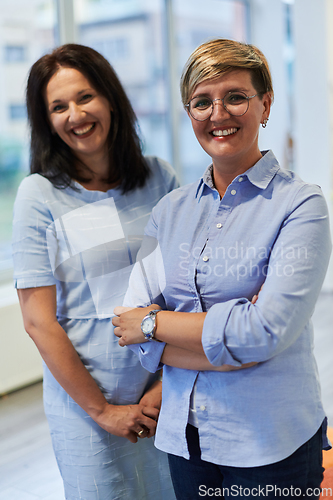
(211, 254)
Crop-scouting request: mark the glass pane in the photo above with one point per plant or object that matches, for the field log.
(132, 35)
(195, 23)
(27, 32)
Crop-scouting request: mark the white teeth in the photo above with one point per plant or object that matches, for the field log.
(83, 131)
(220, 133)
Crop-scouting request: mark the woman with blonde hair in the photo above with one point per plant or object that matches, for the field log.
(240, 257)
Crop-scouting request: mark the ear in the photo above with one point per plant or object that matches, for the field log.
(267, 103)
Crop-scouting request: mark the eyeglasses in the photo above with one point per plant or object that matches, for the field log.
(235, 103)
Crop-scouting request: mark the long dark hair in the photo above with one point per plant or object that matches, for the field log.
(50, 155)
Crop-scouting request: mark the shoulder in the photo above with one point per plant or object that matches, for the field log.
(301, 188)
(288, 188)
(161, 171)
(173, 201)
(34, 183)
(35, 196)
(300, 198)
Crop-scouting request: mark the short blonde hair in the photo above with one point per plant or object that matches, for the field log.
(218, 56)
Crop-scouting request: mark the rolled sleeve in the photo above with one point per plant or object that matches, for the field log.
(213, 341)
(239, 331)
(149, 354)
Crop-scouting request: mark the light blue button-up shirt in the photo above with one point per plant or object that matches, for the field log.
(211, 254)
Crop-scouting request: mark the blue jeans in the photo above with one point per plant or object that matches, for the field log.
(298, 475)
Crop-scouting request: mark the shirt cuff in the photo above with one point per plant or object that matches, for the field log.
(149, 354)
(213, 334)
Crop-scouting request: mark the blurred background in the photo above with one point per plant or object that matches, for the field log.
(148, 42)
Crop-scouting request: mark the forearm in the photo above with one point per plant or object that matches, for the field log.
(153, 396)
(38, 308)
(66, 366)
(189, 360)
(179, 329)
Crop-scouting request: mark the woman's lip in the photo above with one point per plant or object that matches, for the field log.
(83, 130)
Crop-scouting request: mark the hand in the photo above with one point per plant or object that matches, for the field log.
(153, 397)
(255, 297)
(128, 324)
(129, 420)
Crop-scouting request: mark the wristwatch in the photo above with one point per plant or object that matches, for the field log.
(148, 324)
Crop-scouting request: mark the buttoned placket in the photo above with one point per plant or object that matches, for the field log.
(221, 209)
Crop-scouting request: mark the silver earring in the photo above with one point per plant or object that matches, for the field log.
(264, 123)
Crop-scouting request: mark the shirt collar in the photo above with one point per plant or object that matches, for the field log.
(260, 175)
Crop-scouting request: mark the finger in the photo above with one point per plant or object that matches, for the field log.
(143, 433)
(132, 437)
(254, 299)
(121, 309)
(151, 412)
(117, 332)
(148, 433)
(121, 342)
(150, 425)
(116, 321)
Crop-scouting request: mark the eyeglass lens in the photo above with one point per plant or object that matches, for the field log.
(236, 103)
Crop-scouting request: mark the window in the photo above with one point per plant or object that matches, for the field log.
(15, 53)
(17, 112)
(132, 35)
(116, 49)
(27, 31)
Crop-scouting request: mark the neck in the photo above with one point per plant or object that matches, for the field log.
(224, 172)
(96, 170)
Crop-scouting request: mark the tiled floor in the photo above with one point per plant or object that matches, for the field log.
(28, 470)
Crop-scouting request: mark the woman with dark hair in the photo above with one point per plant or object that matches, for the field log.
(78, 224)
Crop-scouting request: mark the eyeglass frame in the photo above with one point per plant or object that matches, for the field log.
(212, 104)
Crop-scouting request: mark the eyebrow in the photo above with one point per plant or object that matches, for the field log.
(79, 93)
(236, 89)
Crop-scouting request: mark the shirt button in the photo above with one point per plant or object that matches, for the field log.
(240, 179)
(202, 408)
(219, 225)
(233, 192)
(205, 258)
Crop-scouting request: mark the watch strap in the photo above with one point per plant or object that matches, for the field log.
(152, 314)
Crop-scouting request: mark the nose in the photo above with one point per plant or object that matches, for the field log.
(75, 112)
(218, 110)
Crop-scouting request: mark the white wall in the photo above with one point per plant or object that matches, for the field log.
(20, 361)
(312, 127)
(314, 99)
(267, 33)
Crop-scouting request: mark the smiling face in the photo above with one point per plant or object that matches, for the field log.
(78, 114)
(231, 141)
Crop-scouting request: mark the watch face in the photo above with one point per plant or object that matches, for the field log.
(148, 325)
